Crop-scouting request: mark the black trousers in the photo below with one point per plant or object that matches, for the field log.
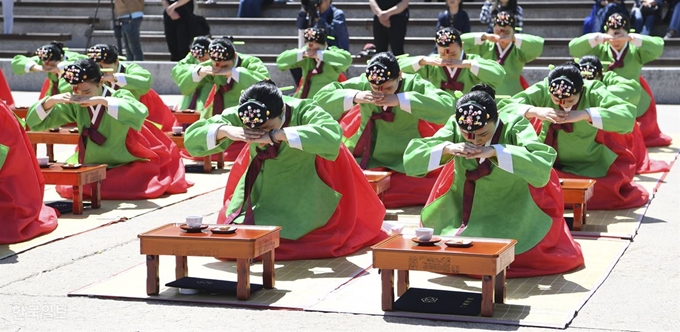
(393, 36)
(177, 36)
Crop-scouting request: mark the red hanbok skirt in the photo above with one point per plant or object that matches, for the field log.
(5, 91)
(648, 122)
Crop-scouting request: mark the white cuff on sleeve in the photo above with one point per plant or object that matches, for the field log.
(112, 109)
(120, 79)
(523, 110)
(293, 138)
(436, 156)
(594, 39)
(404, 102)
(61, 66)
(27, 67)
(299, 55)
(416, 65)
(518, 41)
(319, 54)
(474, 67)
(595, 117)
(478, 39)
(235, 73)
(194, 74)
(504, 158)
(40, 111)
(211, 138)
(349, 100)
(636, 39)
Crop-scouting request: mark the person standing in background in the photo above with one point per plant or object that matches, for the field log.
(8, 15)
(130, 14)
(389, 24)
(176, 19)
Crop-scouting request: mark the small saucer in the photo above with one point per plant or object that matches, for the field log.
(74, 130)
(54, 130)
(175, 134)
(228, 230)
(71, 166)
(192, 230)
(46, 166)
(459, 243)
(434, 240)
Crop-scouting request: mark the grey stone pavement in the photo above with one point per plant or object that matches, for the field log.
(641, 293)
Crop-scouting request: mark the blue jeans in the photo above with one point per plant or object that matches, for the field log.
(133, 46)
(8, 15)
(250, 8)
(642, 24)
(675, 19)
(604, 13)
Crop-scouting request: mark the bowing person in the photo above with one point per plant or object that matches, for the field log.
(497, 182)
(142, 161)
(388, 109)
(193, 97)
(294, 173)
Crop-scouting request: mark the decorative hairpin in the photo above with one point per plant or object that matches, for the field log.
(562, 87)
(504, 19)
(616, 21)
(377, 73)
(219, 53)
(253, 113)
(74, 74)
(472, 116)
(44, 53)
(198, 50)
(445, 37)
(98, 53)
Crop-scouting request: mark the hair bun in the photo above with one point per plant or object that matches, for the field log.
(269, 81)
(484, 88)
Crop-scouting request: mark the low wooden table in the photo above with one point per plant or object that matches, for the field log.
(578, 192)
(78, 177)
(247, 243)
(187, 117)
(207, 160)
(63, 136)
(380, 182)
(486, 257)
(21, 112)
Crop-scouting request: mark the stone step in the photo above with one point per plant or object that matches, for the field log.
(538, 9)
(55, 24)
(31, 41)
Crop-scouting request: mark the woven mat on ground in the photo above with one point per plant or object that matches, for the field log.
(349, 285)
(113, 211)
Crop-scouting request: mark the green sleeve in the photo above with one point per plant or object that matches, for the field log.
(489, 72)
(255, 66)
(199, 137)
(4, 151)
(130, 111)
(428, 102)
(628, 90)
(20, 62)
(337, 98)
(246, 78)
(530, 48)
(580, 46)
(469, 42)
(185, 79)
(137, 79)
(616, 115)
(406, 64)
(531, 159)
(422, 155)
(57, 116)
(289, 59)
(315, 132)
(337, 58)
(182, 71)
(535, 95)
(651, 49)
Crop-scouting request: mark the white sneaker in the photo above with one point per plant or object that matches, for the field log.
(209, 2)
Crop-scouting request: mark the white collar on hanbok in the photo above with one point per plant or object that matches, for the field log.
(488, 143)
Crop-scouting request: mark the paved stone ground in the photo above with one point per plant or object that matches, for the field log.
(639, 295)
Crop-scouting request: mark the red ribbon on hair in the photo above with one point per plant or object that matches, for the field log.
(254, 169)
(482, 170)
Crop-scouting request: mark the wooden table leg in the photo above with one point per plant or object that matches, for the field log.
(387, 277)
(77, 200)
(268, 274)
(96, 195)
(35, 148)
(152, 282)
(499, 291)
(243, 283)
(402, 282)
(181, 267)
(50, 152)
(207, 164)
(584, 213)
(220, 160)
(488, 283)
(578, 215)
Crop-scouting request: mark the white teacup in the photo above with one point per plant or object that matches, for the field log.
(194, 221)
(424, 234)
(177, 130)
(42, 161)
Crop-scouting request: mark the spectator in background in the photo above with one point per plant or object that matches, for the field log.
(389, 24)
(8, 15)
(454, 17)
(602, 9)
(489, 11)
(176, 19)
(329, 18)
(130, 13)
(644, 15)
(674, 14)
(249, 8)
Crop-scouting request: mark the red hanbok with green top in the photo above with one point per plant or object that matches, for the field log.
(380, 144)
(581, 152)
(142, 161)
(22, 64)
(23, 214)
(514, 195)
(310, 186)
(316, 73)
(628, 63)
